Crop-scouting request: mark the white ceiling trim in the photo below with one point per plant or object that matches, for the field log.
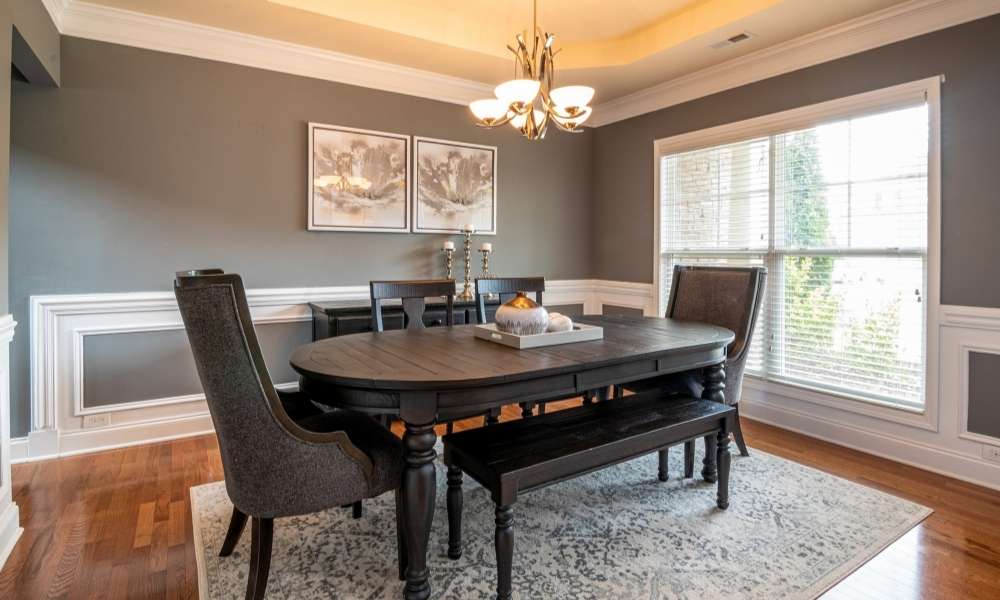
(107, 24)
(910, 19)
(887, 26)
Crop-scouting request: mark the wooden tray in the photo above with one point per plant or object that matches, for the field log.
(579, 333)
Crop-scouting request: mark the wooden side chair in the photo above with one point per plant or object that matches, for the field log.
(274, 466)
(729, 297)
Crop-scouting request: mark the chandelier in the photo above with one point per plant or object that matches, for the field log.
(529, 102)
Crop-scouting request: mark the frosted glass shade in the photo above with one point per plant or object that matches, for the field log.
(568, 96)
(488, 111)
(577, 120)
(519, 121)
(517, 91)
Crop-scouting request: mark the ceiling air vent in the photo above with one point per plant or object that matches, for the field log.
(736, 39)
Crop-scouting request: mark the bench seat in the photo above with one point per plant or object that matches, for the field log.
(527, 454)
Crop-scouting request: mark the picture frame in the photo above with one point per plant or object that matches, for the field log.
(359, 180)
(455, 184)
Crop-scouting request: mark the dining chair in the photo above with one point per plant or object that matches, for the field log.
(729, 297)
(414, 296)
(274, 466)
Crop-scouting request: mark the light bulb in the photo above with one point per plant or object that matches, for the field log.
(520, 92)
(571, 96)
(488, 111)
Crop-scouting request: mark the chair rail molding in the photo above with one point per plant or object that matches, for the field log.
(947, 447)
(10, 526)
(880, 28)
(60, 324)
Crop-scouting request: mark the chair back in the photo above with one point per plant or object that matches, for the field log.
(414, 295)
(728, 297)
(506, 288)
(250, 424)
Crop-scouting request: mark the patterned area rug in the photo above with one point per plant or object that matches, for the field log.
(790, 532)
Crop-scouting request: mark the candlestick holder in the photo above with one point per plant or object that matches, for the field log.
(449, 262)
(467, 293)
(486, 269)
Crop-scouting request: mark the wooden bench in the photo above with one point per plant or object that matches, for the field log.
(524, 455)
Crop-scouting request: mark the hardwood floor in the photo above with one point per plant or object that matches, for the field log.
(117, 524)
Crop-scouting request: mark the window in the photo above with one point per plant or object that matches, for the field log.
(837, 209)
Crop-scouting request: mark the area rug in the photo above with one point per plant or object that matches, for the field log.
(791, 532)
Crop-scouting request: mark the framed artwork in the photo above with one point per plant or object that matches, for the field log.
(456, 185)
(359, 180)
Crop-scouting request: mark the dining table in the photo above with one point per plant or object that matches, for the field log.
(422, 376)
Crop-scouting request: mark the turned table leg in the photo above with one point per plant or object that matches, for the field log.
(418, 487)
(714, 390)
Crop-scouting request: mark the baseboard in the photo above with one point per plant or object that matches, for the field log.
(10, 531)
(878, 443)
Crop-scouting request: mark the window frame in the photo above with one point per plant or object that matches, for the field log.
(898, 96)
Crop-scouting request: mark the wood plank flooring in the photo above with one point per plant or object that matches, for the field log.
(117, 524)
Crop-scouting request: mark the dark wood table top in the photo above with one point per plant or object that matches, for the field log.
(452, 357)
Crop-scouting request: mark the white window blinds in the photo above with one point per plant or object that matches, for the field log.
(839, 214)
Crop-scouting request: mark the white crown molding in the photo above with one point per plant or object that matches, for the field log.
(107, 24)
(56, 9)
(887, 26)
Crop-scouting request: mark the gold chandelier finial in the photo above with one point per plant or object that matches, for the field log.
(529, 102)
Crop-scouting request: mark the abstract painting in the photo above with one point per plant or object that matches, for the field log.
(359, 180)
(456, 185)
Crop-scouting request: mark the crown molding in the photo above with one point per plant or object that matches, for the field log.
(107, 24)
(896, 23)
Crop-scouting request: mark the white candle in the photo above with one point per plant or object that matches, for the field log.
(486, 247)
(469, 227)
(449, 245)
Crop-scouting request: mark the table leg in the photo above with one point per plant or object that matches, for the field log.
(715, 386)
(419, 483)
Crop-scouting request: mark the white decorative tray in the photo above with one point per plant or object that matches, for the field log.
(579, 333)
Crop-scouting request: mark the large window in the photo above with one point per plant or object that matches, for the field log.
(838, 213)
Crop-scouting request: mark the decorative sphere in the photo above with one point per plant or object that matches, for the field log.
(559, 322)
(522, 316)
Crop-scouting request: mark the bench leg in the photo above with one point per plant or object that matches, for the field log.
(357, 510)
(493, 417)
(664, 470)
(723, 458)
(526, 410)
(455, 502)
(504, 541)
(689, 459)
(708, 468)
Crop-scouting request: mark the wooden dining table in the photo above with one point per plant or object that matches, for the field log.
(442, 373)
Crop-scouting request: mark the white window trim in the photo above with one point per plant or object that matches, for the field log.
(808, 116)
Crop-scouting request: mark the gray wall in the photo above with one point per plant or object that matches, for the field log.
(28, 40)
(970, 135)
(116, 366)
(984, 400)
(143, 163)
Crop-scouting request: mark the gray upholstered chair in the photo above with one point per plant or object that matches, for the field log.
(274, 466)
(729, 297)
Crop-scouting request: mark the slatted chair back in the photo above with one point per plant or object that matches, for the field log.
(506, 288)
(413, 295)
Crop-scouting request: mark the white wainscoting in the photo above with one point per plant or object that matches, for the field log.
(10, 525)
(939, 443)
(60, 325)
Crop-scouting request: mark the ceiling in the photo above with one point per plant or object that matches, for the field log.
(618, 46)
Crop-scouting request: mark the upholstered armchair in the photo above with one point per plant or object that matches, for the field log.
(274, 466)
(729, 297)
